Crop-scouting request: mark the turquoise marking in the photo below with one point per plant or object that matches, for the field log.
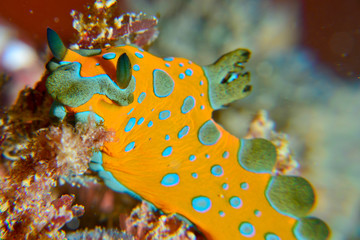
(194, 175)
(188, 104)
(169, 59)
(167, 151)
(189, 72)
(96, 157)
(225, 154)
(170, 180)
(167, 137)
(221, 213)
(167, 64)
(235, 202)
(58, 110)
(139, 55)
(201, 204)
(130, 147)
(271, 236)
(225, 186)
(192, 157)
(95, 167)
(85, 116)
(183, 132)
(217, 170)
(130, 124)
(181, 64)
(130, 111)
(97, 64)
(244, 185)
(140, 121)
(207, 155)
(136, 67)
(201, 83)
(247, 229)
(257, 213)
(150, 124)
(109, 56)
(181, 76)
(164, 114)
(202, 107)
(141, 97)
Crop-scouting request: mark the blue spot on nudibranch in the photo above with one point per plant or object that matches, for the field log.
(130, 124)
(244, 185)
(136, 67)
(221, 213)
(225, 154)
(201, 204)
(183, 132)
(130, 147)
(207, 155)
(109, 56)
(188, 72)
(235, 202)
(150, 124)
(188, 104)
(167, 137)
(169, 59)
(247, 229)
(97, 64)
(271, 236)
(167, 151)
(140, 121)
(181, 64)
(170, 180)
(192, 157)
(217, 170)
(257, 213)
(130, 111)
(201, 83)
(164, 114)
(181, 76)
(167, 64)
(139, 55)
(141, 97)
(194, 175)
(225, 186)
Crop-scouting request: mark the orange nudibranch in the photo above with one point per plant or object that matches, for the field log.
(169, 151)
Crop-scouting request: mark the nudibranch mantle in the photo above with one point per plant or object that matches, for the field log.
(169, 151)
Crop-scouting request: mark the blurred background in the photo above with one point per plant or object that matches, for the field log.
(305, 68)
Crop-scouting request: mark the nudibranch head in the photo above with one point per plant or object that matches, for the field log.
(169, 151)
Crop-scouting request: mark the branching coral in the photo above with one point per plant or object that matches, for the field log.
(28, 209)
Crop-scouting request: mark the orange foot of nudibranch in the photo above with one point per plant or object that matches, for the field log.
(167, 148)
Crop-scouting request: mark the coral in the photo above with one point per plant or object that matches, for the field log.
(28, 209)
(100, 27)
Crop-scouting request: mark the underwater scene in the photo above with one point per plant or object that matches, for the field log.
(180, 119)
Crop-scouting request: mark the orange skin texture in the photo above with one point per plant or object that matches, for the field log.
(142, 169)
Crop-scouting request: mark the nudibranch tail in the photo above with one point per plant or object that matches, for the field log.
(167, 148)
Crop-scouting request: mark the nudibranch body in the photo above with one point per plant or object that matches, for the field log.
(169, 151)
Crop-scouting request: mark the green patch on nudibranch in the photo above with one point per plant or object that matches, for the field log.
(311, 228)
(257, 155)
(290, 195)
